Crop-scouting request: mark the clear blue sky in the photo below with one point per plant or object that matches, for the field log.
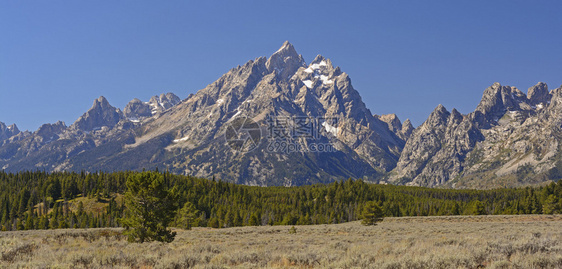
(404, 57)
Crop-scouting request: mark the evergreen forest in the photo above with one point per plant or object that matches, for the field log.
(40, 200)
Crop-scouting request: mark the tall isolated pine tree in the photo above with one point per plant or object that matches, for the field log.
(150, 208)
(372, 213)
(186, 216)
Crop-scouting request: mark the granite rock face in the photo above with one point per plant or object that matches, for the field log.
(8, 131)
(329, 134)
(137, 110)
(281, 88)
(509, 140)
(395, 125)
(281, 121)
(96, 135)
(285, 61)
(99, 115)
(539, 94)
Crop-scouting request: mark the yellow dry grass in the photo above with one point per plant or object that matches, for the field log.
(528, 241)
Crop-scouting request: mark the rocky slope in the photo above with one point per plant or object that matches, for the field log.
(54, 146)
(311, 126)
(137, 110)
(190, 138)
(510, 139)
(401, 130)
(8, 131)
(100, 115)
(281, 121)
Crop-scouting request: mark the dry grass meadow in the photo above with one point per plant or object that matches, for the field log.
(528, 241)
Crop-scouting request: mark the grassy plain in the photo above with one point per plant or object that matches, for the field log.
(525, 241)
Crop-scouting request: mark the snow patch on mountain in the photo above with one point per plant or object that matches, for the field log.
(134, 119)
(330, 129)
(325, 79)
(181, 139)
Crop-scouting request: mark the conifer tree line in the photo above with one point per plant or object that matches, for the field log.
(41, 200)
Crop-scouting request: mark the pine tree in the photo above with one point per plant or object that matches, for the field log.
(19, 225)
(29, 225)
(372, 213)
(24, 200)
(478, 208)
(550, 205)
(186, 216)
(5, 221)
(92, 221)
(214, 222)
(456, 209)
(229, 219)
(54, 190)
(237, 219)
(151, 208)
(254, 221)
(44, 223)
(80, 210)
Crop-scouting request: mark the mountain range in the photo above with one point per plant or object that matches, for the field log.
(281, 121)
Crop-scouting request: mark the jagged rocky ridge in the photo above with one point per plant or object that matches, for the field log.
(510, 139)
(53, 147)
(401, 130)
(8, 131)
(137, 110)
(188, 137)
